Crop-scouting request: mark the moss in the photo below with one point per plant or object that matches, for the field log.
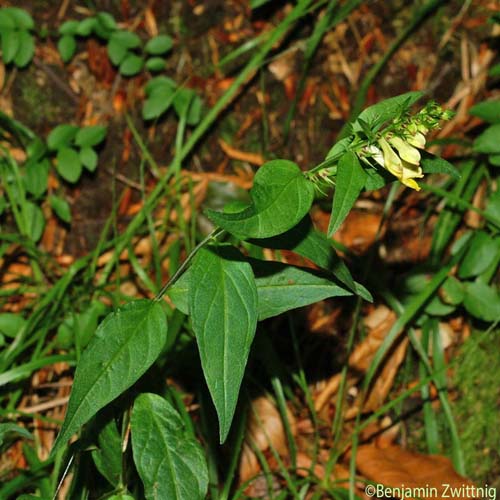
(477, 407)
(38, 102)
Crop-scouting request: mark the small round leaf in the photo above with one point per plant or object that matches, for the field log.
(67, 47)
(155, 64)
(131, 65)
(69, 165)
(159, 45)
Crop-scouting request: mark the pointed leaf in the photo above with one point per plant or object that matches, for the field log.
(66, 47)
(281, 197)
(489, 111)
(435, 165)
(34, 220)
(488, 141)
(108, 456)
(61, 208)
(307, 242)
(168, 458)
(386, 110)
(10, 45)
(26, 49)
(69, 165)
(350, 180)
(89, 158)
(124, 346)
(223, 308)
(282, 287)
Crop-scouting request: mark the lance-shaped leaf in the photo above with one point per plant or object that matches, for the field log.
(124, 346)
(282, 287)
(223, 309)
(349, 182)
(281, 197)
(307, 242)
(388, 109)
(168, 458)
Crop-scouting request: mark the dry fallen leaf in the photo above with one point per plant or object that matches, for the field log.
(264, 430)
(395, 467)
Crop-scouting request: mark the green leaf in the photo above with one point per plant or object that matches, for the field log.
(61, 208)
(11, 324)
(155, 64)
(435, 165)
(194, 111)
(282, 287)
(254, 4)
(489, 111)
(89, 158)
(69, 165)
(116, 52)
(436, 307)
(494, 159)
(307, 242)
(69, 28)
(78, 328)
(126, 39)
(35, 221)
(494, 70)
(482, 301)
(481, 252)
(179, 292)
(223, 308)
(108, 456)
(158, 45)
(182, 101)
(10, 45)
(452, 291)
(22, 19)
(6, 21)
(488, 141)
(131, 65)
(66, 47)
(281, 197)
(26, 49)
(159, 82)
(350, 180)
(188, 105)
(168, 458)
(124, 346)
(90, 136)
(61, 136)
(493, 205)
(36, 177)
(388, 109)
(158, 101)
(86, 26)
(105, 23)
(9, 431)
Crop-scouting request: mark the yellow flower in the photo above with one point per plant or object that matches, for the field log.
(405, 164)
